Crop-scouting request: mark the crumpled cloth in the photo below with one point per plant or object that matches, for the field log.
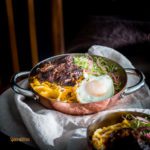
(49, 129)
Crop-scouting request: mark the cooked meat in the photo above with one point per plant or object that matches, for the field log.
(122, 139)
(142, 135)
(62, 71)
(47, 66)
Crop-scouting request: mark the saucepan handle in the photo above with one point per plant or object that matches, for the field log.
(138, 85)
(17, 88)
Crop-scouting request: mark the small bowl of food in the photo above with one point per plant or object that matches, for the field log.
(120, 131)
(78, 83)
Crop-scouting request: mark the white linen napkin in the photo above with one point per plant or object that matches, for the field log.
(49, 129)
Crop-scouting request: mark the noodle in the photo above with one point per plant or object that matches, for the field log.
(101, 135)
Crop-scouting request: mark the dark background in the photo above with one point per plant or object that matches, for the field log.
(77, 15)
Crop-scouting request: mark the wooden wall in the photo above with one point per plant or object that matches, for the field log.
(30, 31)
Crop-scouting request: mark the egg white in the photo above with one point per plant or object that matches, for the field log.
(95, 88)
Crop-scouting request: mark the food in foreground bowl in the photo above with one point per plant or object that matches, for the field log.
(80, 79)
(132, 133)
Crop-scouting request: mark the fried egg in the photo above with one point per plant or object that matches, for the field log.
(95, 88)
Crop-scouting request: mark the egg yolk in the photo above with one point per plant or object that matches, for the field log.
(96, 88)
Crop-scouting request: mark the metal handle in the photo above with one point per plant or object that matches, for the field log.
(138, 85)
(19, 89)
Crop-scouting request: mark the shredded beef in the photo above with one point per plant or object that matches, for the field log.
(127, 139)
(62, 71)
(122, 139)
